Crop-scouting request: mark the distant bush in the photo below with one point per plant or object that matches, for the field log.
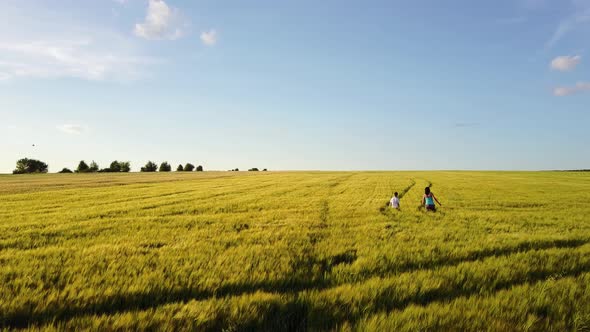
(179, 168)
(165, 167)
(25, 166)
(199, 168)
(189, 167)
(253, 169)
(265, 170)
(66, 170)
(150, 167)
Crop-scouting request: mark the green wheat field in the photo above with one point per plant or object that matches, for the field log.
(315, 251)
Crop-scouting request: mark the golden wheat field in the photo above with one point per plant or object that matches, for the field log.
(235, 251)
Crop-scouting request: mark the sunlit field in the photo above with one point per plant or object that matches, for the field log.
(237, 251)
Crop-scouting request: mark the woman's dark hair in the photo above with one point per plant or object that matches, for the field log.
(395, 194)
(427, 190)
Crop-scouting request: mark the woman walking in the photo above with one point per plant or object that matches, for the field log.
(428, 200)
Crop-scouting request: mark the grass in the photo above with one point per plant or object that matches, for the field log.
(240, 251)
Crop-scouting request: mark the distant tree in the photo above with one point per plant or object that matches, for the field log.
(150, 167)
(253, 169)
(165, 167)
(179, 168)
(82, 167)
(125, 166)
(189, 167)
(66, 170)
(115, 166)
(199, 168)
(25, 165)
(265, 170)
(93, 167)
(235, 170)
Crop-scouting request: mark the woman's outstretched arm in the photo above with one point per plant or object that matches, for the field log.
(436, 199)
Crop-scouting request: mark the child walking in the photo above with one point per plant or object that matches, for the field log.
(394, 201)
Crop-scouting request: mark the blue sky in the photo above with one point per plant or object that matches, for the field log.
(296, 84)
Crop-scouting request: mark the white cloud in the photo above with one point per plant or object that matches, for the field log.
(55, 44)
(73, 129)
(67, 58)
(581, 16)
(565, 62)
(209, 38)
(161, 22)
(570, 90)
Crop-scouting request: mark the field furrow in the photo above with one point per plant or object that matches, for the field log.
(294, 251)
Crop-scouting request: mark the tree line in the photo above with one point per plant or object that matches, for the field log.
(27, 166)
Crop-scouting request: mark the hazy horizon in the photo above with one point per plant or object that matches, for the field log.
(336, 85)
